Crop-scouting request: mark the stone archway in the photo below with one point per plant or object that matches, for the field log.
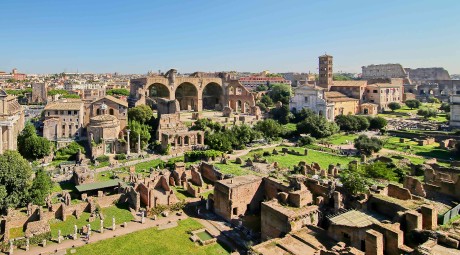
(212, 96)
(155, 91)
(187, 96)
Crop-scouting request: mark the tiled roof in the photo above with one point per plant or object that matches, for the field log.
(353, 83)
(113, 99)
(65, 105)
(353, 219)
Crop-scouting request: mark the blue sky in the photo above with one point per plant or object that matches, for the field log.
(195, 35)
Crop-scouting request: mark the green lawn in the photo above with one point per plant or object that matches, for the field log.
(146, 165)
(288, 160)
(232, 168)
(340, 139)
(61, 186)
(16, 232)
(153, 241)
(121, 213)
(430, 151)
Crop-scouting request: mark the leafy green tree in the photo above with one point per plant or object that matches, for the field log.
(363, 122)
(32, 146)
(219, 141)
(141, 113)
(413, 103)
(280, 92)
(136, 129)
(243, 135)
(270, 128)
(433, 100)
(118, 92)
(347, 122)
(54, 92)
(377, 123)
(302, 115)
(70, 96)
(282, 114)
(15, 174)
(445, 107)
(367, 145)
(266, 100)
(41, 187)
(353, 181)
(427, 112)
(317, 126)
(380, 170)
(206, 125)
(394, 106)
(306, 140)
(341, 77)
(262, 88)
(69, 152)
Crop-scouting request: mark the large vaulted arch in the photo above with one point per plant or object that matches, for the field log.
(187, 96)
(212, 96)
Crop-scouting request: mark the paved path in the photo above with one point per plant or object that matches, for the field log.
(133, 226)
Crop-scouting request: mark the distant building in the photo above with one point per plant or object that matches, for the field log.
(13, 75)
(325, 71)
(311, 97)
(252, 82)
(383, 71)
(39, 93)
(63, 120)
(11, 121)
(454, 121)
(423, 75)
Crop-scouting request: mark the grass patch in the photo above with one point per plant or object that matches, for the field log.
(153, 241)
(429, 151)
(288, 160)
(63, 186)
(16, 232)
(232, 168)
(120, 212)
(340, 139)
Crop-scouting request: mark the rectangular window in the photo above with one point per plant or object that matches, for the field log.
(375, 91)
(69, 112)
(75, 112)
(306, 99)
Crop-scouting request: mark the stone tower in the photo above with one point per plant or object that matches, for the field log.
(325, 71)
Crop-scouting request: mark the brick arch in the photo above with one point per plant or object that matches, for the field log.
(212, 95)
(187, 94)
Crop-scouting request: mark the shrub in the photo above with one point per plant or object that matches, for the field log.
(377, 123)
(103, 158)
(120, 156)
(198, 155)
(413, 103)
(367, 145)
(394, 106)
(306, 140)
(427, 112)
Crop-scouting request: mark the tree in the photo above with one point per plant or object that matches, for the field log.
(353, 181)
(367, 145)
(41, 187)
(433, 100)
(347, 122)
(427, 112)
(413, 103)
(269, 128)
(242, 135)
(219, 141)
(261, 87)
(32, 146)
(302, 114)
(377, 123)
(141, 113)
(280, 92)
(363, 123)
(15, 174)
(118, 92)
(136, 129)
(380, 170)
(282, 114)
(266, 100)
(317, 126)
(394, 106)
(445, 107)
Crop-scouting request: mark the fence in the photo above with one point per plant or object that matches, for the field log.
(444, 219)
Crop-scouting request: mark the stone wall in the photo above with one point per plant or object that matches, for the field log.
(209, 172)
(398, 192)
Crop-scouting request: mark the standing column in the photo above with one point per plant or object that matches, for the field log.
(128, 150)
(1, 140)
(10, 137)
(139, 143)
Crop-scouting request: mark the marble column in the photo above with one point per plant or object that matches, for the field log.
(1, 140)
(138, 143)
(128, 151)
(10, 138)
